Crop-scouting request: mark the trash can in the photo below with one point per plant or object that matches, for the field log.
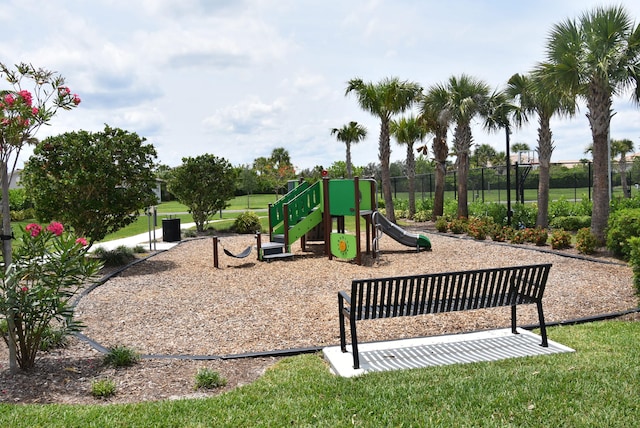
(171, 229)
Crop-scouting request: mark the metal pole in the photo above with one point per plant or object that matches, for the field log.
(509, 213)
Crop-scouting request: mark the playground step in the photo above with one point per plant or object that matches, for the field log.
(277, 256)
(272, 248)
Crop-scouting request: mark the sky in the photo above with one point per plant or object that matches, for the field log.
(239, 78)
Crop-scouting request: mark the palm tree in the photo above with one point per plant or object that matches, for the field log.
(536, 94)
(622, 147)
(407, 131)
(595, 58)
(467, 98)
(350, 134)
(484, 155)
(385, 99)
(435, 114)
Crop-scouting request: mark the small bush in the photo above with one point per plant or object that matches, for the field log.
(519, 237)
(458, 225)
(524, 215)
(119, 256)
(209, 379)
(586, 242)
(573, 223)
(623, 224)
(53, 339)
(121, 356)
(103, 388)
(422, 216)
(560, 239)
(139, 249)
(479, 228)
(247, 222)
(442, 225)
(501, 233)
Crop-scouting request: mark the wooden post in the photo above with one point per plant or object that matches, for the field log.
(215, 252)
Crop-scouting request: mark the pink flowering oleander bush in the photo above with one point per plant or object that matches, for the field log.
(49, 266)
(560, 239)
(501, 233)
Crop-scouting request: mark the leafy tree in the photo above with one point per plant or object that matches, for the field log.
(204, 184)
(95, 182)
(276, 170)
(22, 112)
(247, 181)
(384, 100)
(350, 134)
(163, 172)
(434, 112)
(407, 131)
(596, 57)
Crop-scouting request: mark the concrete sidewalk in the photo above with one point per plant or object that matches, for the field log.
(143, 240)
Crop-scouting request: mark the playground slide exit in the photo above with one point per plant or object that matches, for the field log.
(399, 234)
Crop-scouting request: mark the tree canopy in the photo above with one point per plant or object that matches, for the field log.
(95, 182)
(204, 184)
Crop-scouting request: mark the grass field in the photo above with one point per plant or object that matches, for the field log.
(597, 386)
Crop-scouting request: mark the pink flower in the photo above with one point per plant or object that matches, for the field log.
(24, 289)
(26, 96)
(9, 99)
(34, 111)
(55, 228)
(63, 91)
(76, 99)
(81, 241)
(34, 229)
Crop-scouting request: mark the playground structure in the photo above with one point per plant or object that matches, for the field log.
(316, 212)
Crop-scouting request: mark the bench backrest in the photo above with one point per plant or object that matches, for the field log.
(447, 292)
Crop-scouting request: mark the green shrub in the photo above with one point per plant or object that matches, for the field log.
(623, 224)
(586, 242)
(422, 216)
(209, 379)
(634, 261)
(119, 256)
(425, 205)
(519, 237)
(442, 225)
(501, 233)
(247, 222)
(54, 338)
(458, 225)
(103, 388)
(121, 356)
(573, 223)
(524, 215)
(561, 208)
(479, 228)
(560, 239)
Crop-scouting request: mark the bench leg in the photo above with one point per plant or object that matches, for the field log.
(343, 339)
(514, 326)
(543, 326)
(354, 345)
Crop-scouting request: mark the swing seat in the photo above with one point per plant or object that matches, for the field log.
(242, 255)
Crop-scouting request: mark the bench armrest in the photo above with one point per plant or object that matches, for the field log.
(345, 297)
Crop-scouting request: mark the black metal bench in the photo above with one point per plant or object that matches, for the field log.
(441, 292)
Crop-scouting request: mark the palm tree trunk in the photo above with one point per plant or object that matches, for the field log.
(545, 150)
(411, 175)
(440, 151)
(462, 141)
(384, 155)
(349, 167)
(599, 105)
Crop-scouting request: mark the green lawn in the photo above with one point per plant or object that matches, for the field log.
(597, 386)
